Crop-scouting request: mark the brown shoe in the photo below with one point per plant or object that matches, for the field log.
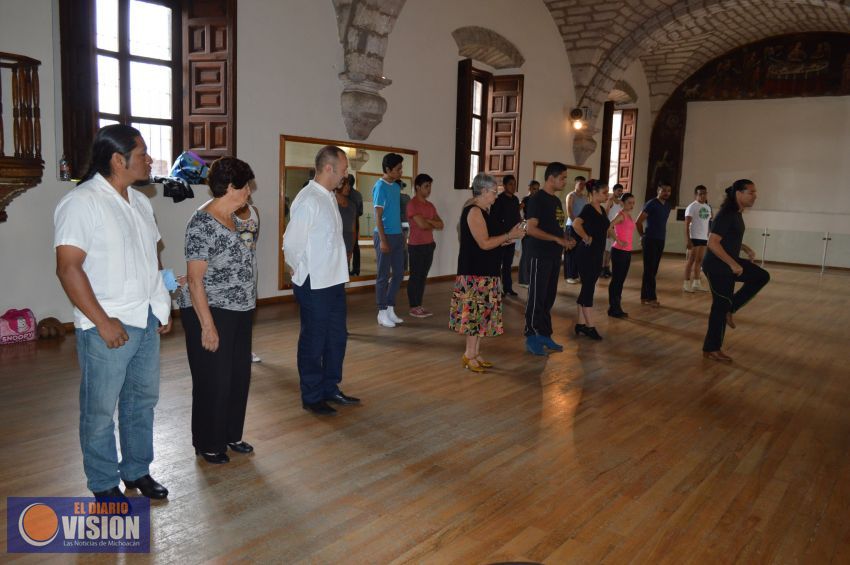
(718, 356)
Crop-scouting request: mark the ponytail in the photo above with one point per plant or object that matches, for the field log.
(731, 202)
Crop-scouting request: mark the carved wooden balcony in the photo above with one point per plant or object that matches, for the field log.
(24, 168)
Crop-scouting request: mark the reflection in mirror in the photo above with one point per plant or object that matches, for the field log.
(297, 155)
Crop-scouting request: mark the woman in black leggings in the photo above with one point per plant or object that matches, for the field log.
(591, 226)
(724, 268)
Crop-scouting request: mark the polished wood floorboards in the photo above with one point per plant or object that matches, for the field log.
(633, 449)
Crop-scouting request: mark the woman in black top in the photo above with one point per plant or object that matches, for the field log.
(723, 267)
(592, 227)
(476, 309)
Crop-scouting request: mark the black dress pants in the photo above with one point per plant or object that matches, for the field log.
(542, 289)
(220, 379)
(421, 257)
(507, 259)
(724, 300)
(652, 251)
(355, 254)
(620, 263)
(523, 262)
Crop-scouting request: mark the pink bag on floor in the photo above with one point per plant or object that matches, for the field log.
(17, 326)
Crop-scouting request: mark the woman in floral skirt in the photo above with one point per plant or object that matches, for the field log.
(476, 309)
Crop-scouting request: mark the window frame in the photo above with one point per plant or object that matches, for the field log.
(124, 58)
(484, 78)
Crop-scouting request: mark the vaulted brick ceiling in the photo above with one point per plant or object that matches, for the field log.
(674, 38)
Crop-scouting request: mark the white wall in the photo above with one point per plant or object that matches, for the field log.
(797, 151)
(289, 58)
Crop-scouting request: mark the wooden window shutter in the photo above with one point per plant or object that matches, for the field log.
(628, 132)
(463, 126)
(79, 81)
(503, 126)
(209, 77)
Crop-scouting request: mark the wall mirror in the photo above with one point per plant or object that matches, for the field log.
(297, 155)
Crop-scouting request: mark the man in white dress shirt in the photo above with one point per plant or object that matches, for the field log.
(107, 261)
(315, 253)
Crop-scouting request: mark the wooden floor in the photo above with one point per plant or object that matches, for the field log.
(633, 449)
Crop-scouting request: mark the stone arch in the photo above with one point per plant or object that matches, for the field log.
(672, 38)
(711, 28)
(623, 93)
(364, 29)
(487, 46)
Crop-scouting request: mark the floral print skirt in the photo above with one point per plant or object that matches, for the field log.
(477, 306)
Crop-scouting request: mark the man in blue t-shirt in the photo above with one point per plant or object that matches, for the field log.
(655, 213)
(389, 241)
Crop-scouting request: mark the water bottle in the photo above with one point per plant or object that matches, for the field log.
(64, 169)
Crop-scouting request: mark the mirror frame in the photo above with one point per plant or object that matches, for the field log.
(284, 138)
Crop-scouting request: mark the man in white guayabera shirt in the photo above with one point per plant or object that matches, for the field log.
(106, 259)
(315, 253)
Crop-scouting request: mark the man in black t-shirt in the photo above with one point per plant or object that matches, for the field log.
(546, 243)
(505, 213)
(723, 267)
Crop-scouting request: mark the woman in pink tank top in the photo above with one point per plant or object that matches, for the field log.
(621, 229)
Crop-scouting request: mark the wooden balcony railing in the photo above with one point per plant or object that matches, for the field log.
(22, 169)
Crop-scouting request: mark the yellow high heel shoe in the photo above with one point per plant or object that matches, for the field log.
(483, 363)
(474, 368)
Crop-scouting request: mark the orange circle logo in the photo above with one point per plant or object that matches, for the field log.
(38, 524)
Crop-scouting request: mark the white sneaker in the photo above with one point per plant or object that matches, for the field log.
(392, 315)
(255, 358)
(698, 286)
(572, 281)
(687, 286)
(384, 320)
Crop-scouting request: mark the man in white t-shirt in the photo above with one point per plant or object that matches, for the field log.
(697, 217)
(107, 261)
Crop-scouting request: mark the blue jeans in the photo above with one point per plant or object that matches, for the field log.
(129, 377)
(322, 341)
(385, 287)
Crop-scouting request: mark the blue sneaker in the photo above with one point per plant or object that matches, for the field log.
(546, 341)
(534, 345)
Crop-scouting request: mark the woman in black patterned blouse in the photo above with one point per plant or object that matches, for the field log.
(217, 305)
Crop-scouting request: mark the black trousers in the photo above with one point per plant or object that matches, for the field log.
(542, 288)
(570, 264)
(523, 262)
(589, 261)
(322, 341)
(507, 260)
(620, 263)
(220, 379)
(355, 254)
(652, 251)
(421, 257)
(724, 300)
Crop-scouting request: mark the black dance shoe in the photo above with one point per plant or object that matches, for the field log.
(320, 408)
(114, 494)
(589, 331)
(214, 458)
(342, 399)
(241, 447)
(148, 487)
